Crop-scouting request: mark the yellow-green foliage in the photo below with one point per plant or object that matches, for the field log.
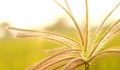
(18, 54)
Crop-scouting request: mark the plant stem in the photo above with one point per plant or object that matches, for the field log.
(75, 22)
(102, 38)
(103, 22)
(86, 66)
(69, 12)
(87, 20)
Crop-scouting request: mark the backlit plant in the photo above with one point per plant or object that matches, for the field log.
(75, 53)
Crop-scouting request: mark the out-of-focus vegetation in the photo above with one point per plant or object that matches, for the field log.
(18, 54)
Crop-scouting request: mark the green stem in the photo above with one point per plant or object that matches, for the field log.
(86, 66)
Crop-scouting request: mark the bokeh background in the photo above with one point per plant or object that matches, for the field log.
(19, 53)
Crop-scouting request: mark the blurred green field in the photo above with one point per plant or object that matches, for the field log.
(18, 54)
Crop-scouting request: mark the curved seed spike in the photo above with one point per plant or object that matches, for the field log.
(105, 52)
(74, 64)
(69, 9)
(59, 39)
(109, 15)
(37, 34)
(59, 67)
(97, 47)
(56, 57)
(47, 66)
(100, 26)
(57, 50)
(73, 19)
(62, 60)
(108, 37)
(115, 32)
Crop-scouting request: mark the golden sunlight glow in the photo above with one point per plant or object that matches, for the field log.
(41, 13)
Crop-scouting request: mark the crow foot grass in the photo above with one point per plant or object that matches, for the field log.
(77, 53)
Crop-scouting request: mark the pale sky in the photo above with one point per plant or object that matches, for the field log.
(34, 13)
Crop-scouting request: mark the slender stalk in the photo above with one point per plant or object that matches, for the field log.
(103, 37)
(103, 22)
(87, 22)
(58, 61)
(108, 37)
(68, 6)
(104, 52)
(59, 67)
(51, 36)
(73, 64)
(108, 16)
(73, 19)
(86, 66)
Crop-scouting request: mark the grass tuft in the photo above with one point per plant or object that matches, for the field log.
(77, 53)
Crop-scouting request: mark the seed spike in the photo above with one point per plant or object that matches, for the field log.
(103, 22)
(73, 19)
(100, 41)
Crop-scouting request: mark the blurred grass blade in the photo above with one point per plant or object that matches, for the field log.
(37, 34)
(62, 56)
(74, 63)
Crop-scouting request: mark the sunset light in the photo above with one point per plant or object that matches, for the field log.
(41, 13)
